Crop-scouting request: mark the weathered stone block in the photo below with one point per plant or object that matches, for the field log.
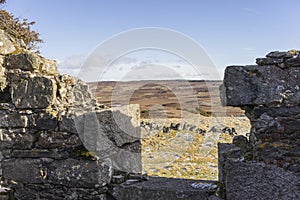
(67, 124)
(53, 192)
(255, 85)
(13, 120)
(118, 127)
(5, 97)
(223, 148)
(61, 140)
(2, 75)
(80, 97)
(116, 140)
(6, 44)
(16, 139)
(43, 121)
(80, 173)
(48, 67)
(40, 153)
(23, 170)
(33, 93)
(259, 181)
(31, 62)
(27, 62)
(162, 188)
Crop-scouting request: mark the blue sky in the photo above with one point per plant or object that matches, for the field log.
(232, 32)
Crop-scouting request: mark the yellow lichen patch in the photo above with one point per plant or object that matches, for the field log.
(89, 154)
(293, 52)
(262, 145)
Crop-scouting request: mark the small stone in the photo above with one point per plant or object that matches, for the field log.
(118, 179)
(240, 140)
(269, 61)
(279, 54)
(131, 181)
(7, 45)
(293, 62)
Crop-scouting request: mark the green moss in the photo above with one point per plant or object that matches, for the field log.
(221, 192)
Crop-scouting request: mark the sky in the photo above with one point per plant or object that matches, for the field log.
(231, 32)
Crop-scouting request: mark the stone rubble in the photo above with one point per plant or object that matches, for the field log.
(154, 128)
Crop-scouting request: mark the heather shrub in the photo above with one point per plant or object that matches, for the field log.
(20, 29)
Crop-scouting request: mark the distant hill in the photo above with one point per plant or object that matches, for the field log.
(168, 97)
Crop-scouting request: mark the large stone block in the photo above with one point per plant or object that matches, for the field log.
(31, 62)
(43, 121)
(260, 181)
(23, 170)
(111, 134)
(26, 62)
(13, 120)
(40, 153)
(61, 140)
(16, 139)
(261, 85)
(80, 173)
(33, 93)
(119, 127)
(80, 97)
(164, 188)
(54, 192)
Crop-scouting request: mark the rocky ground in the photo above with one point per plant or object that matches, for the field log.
(188, 153)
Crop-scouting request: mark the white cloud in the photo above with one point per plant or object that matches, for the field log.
(133, 68)
(71, 65)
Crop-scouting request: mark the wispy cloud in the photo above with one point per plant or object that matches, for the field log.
(132, 68)
(250, 11)
(71, 65)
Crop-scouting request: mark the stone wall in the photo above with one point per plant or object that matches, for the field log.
(268, 165)
(53, 134)
(56, 142)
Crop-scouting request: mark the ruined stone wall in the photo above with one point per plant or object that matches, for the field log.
(57, 143)
(52, 132)
(268, 165)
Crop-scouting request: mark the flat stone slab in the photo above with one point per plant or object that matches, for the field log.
(260, 181)
(267, 85)
(164, 188)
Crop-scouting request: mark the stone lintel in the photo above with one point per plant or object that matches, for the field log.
(261, 85)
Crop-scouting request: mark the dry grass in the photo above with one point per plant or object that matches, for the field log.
(186, 154)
